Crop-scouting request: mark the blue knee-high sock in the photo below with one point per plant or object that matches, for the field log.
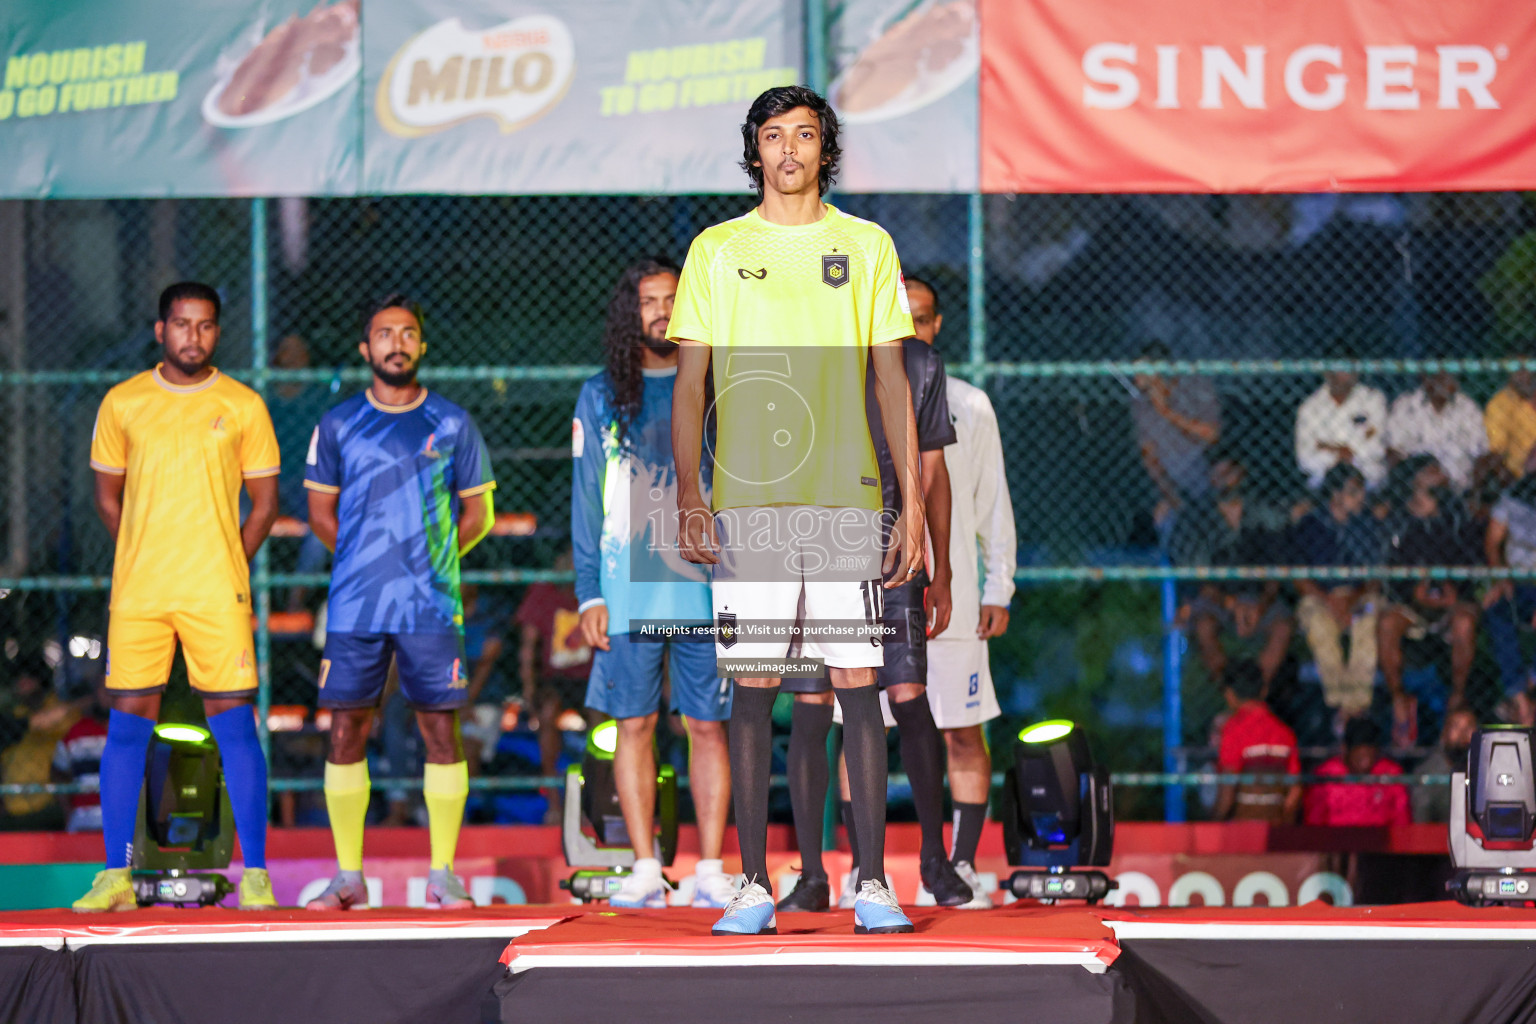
(122, 777)
(245, 776)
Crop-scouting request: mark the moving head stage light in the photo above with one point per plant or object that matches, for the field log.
(1057, 815)
(186, 830)
(1493, 819)
(591, 793)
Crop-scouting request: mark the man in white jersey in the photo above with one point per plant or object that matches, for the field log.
(981, 537)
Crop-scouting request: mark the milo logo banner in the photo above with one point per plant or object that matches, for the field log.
(153, 98)
(482, 96)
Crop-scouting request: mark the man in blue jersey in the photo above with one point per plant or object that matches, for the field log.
(630, 575)
(399, 488)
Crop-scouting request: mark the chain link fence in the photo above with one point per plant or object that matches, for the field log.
(1088, 319)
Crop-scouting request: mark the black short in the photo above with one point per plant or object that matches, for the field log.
(906, 650)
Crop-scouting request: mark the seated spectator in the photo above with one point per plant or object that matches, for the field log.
(1511, 605)
(1340, 533)
(1343, 421)
(1427, 525)
(1437, 419)
(1511, 422)
(483, 647)
(1255, 741)
(1433, 803)
(1358, 803)
(1177, 420)
(29, 759)
(554, 662)
(1234, 527)
(77, 759)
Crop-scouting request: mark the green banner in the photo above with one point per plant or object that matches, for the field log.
(155, 98)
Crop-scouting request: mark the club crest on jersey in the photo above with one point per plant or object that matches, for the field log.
(834, 270)
(725, 629)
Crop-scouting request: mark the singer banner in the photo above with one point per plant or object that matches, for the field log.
(1254, 96)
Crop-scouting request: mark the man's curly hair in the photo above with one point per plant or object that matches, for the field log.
(623, 338)
(781, 100)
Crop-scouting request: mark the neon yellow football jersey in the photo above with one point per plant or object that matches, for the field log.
(790, 313)
(185, 451)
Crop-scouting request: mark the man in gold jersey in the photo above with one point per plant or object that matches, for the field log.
(171, 448)
(789, 304)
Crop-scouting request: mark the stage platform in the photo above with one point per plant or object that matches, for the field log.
(1433, 963)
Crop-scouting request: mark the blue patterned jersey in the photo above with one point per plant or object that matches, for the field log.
(400, 472)
(624, 511)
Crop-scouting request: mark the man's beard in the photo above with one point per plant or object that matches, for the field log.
(394, 378)
(188, 369)
(661, 346)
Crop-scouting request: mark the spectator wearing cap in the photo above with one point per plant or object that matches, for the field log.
(1343, 421)
(1427, 525)
(1255, 741)
(1433, 803)
(1511, 422)
(1358, 803)
(1437, 419)
(1177, 420)
(1510, 606)
(1340, 533)
(1232, 526)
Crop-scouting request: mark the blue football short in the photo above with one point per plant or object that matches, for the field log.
(433, 675)
(626, 680)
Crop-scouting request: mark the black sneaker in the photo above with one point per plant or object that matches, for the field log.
(946, 885)
(810, 893)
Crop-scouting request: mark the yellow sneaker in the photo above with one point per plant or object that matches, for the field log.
(111, 890)
(256, 890)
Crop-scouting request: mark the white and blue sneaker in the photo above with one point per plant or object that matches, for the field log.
(644, 889)
(712, 887)
(876, 912)
(750, 912)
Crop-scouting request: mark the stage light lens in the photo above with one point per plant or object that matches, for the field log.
(182, 733)
(604, 740)
(1046, 732)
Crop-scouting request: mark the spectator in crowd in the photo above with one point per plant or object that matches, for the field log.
(483, 647)
(1177, 420)
(554, 660)
(1255, 741)
(1343, 421)
(1433, 803)
(1437, 419)
(1428, 525)
(28, 760)
(1232, 526)
(1358, 803)
(296, 407)
(1511, 605)
(77, 759)
(1511, 421)
(1340, 533)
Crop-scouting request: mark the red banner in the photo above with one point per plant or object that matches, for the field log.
(1257, 96)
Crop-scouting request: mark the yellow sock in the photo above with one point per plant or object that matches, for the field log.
(445, 787)
(346, 799)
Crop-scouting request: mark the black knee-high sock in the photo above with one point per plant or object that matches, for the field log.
(864, 749)
(808, 780)
(852, 833)
(969, 818)
(751, 735)
(922, 754)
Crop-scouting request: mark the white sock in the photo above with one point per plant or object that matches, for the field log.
(648, 866)
(709, 867)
